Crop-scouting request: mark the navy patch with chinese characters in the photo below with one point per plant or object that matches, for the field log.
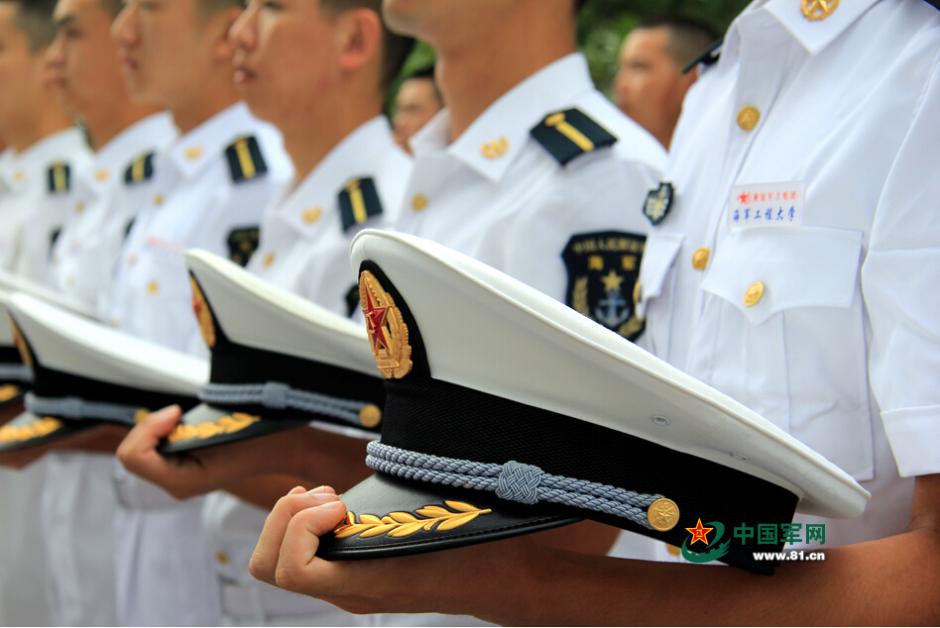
(59, 178)
(658, 203)
(242, 244)
(603, 269)
(140, 169)
(571, 133)
(245, 161)
(358, 201)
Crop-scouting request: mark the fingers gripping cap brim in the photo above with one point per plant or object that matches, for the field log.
(207, 426)
(30, 430)
(389, 517)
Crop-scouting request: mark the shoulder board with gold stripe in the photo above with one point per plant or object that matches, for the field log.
(571, 133)
(245, 160)
(358, 201)
(140, 170)
(59, 178)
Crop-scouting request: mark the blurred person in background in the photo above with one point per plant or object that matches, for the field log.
(418, 100)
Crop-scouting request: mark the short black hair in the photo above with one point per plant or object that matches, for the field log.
(34, 19)
(688, 37)
(395, 48)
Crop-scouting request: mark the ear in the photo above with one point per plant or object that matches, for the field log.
(359, 32)
(223, 48)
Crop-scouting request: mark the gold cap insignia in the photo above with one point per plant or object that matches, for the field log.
(21, 345)
(203, 315)
(387, 331)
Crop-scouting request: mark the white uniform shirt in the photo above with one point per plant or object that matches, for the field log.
(195, 203)
(202, 195)
(78, 499)
(35, 188)
(85, 252)
(839, 343)
(499, 196)
(30, 214)
(304, 249)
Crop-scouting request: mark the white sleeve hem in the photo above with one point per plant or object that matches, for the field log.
(914, 436)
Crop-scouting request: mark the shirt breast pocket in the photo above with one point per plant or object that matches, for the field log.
(783, 331)
(651, 292)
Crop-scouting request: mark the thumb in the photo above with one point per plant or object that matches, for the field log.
(146, 435)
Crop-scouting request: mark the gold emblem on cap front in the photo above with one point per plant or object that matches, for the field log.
(203, 315)
(388, 334)
(663, 514)
(21, 345)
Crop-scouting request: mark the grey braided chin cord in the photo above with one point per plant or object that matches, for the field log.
(75, 408)
(16, 372)
(281, 397)
(513, 481)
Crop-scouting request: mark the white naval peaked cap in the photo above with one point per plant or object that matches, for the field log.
(483, 370)
(85, 373)
(278, 361)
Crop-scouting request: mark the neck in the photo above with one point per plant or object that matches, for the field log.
(45, 120)
(472, 77)
(309, 138)
(192, 109)
(104, 126)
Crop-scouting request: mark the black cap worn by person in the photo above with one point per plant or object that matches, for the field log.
(278, 362)
(507, 413)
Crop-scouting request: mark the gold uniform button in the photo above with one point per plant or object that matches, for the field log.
(79, 207)
(419, 202)
(221, 558)
(748, 117)
(700, 258)
(370, 416)
(268, 260)
(19, 176)
(102, 175)
(153, 288)
(131, 259)
(159, 199)
(310, 216)
(663, 514)
(815, 10)
(193, 152)
(753, 294)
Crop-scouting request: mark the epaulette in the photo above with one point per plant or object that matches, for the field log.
(59, 178)
(359, 200)
(242, 244)
(140, 169)
(708, 57)
(245, 160)
(571, 133)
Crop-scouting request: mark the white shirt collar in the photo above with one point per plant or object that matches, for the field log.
(814, 36)
(150, 133)
(497, 136)
(204, 144)
(35, 160)
(359, 154)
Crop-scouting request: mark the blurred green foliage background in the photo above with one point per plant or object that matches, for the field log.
(603, 24)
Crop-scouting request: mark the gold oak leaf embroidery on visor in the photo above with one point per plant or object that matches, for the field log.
(401, 524)
(35, 429)
(201, 431)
